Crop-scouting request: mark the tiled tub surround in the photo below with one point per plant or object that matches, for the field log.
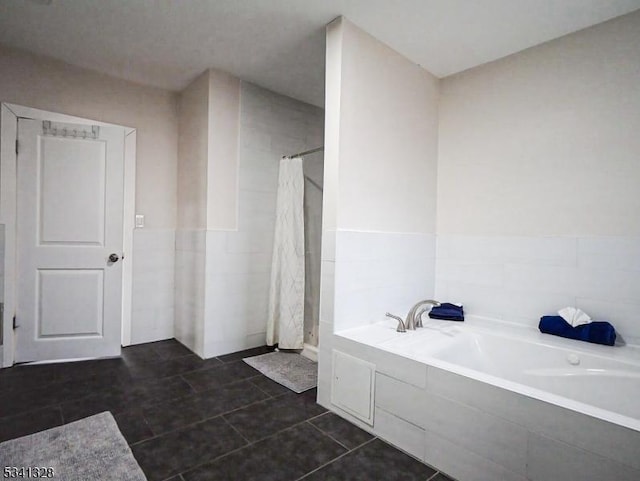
(376, 272)
(445, 395)
(519, 279)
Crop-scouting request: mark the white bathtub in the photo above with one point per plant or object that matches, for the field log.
(600, 381)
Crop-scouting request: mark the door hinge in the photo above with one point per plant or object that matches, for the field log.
(15, 326)
(16, 146)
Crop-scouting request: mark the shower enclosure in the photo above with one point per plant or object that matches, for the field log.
(271, 126)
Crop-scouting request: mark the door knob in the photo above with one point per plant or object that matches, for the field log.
(114, 258)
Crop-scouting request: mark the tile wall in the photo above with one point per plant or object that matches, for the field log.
(364, 275)
(519, 279)
(1, 283)
(190, 287)
(379, 272)
(239, 262)
(153, 285)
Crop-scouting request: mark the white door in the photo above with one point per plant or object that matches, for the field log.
(69, 233)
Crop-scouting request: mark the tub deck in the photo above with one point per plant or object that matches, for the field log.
(600, 381)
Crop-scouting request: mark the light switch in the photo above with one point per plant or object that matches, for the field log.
(139, 221)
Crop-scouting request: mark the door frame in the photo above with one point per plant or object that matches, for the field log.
(9, 115)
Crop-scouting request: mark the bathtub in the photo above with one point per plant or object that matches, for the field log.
(601, 381)
(547, 400)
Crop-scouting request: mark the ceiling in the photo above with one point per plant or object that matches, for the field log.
(279, 44)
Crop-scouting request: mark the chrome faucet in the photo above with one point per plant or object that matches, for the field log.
(414, 318)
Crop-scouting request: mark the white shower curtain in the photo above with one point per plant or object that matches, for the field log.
(285, 324)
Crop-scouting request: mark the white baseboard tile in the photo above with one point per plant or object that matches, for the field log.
(400, 433)
(462, 464)
(392, 396)
(228, 346)
(550, 460)
(600, 437)
(487, 436)
(152, 324)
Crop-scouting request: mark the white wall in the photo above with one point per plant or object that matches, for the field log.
(48, 84)
(193, 154)
(380, 177)
(222, 172)
(544, 142)
(378, 251)
(190, 254)
(207, 199)
(51, 85)
(388, 141)
(538, 180)
(239, 261)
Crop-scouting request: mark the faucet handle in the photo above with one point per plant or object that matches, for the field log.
(401, 326)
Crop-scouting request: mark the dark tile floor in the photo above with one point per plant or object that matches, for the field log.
(192, 420)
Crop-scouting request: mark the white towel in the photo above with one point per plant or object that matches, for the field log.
(574, 316)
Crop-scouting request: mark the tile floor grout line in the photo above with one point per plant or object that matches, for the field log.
(201, 369)
(251, 443)
(214, 387)
(236, 430)
(97, 392)
(271, 396)
(31, 411)
(328, 435)
(188, 384)
(141, 380)
(146, 422)
(93, 375)
(200, 420)
(334, 460)
(281, 430)
(52, 405)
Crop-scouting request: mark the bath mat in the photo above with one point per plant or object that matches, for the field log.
(92, 448)
(289, 369)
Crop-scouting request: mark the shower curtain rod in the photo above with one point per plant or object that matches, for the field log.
(306, 152)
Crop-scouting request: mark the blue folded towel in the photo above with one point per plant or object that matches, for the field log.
(598, 332)
(448, 312)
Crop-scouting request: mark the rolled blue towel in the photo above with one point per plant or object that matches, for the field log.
(597, 332)
(447, 312)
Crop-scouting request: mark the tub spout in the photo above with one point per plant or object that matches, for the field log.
(414, 318)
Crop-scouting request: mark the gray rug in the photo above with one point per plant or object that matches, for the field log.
(289, 369)
(92, 448)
